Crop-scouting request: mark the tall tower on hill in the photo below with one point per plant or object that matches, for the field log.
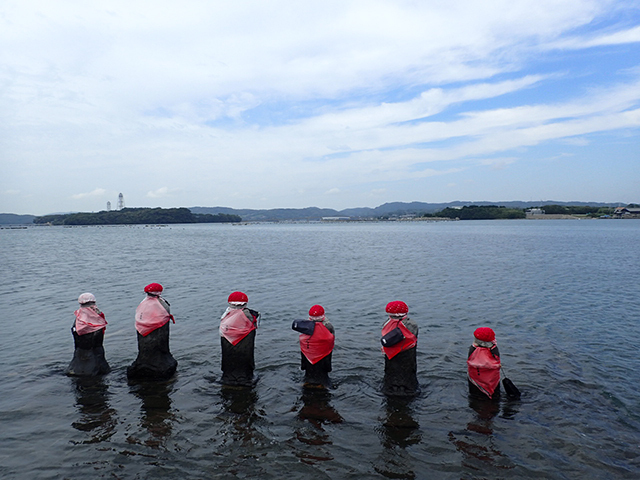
(120, 202)
(108, 206)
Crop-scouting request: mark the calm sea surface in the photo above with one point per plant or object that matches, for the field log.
(562, 297)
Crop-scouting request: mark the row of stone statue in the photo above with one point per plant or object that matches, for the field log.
(238, 326)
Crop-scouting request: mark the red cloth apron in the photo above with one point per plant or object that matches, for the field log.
(235, 325)
(151, 315)
(409, 341)
(89, 321)
(484, 370)
(317, 346)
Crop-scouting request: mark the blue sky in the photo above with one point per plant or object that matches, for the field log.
(334, 104)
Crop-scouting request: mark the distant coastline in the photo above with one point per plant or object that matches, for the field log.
(387, 211)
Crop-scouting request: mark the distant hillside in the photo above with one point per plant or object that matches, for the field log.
(13, 219)
(274, 215)
(385, 210)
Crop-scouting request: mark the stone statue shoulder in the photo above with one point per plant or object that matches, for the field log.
(411, 326)
(165, 304)
(329, 326)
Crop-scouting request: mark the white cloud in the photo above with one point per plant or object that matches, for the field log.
(98, 192)
(352, 94)
(576, 141)
(214, 59)
(631, 35)
(161, 192)
(428, 103)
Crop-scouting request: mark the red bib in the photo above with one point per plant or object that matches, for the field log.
(409, 341)
(235, 325)
(151, 315)
(484, 370)
(89, 321)
(318, 345)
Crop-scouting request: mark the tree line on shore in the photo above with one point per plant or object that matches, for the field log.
(137, 216)
(492, 212)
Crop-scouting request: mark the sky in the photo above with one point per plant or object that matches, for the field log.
(333, 104)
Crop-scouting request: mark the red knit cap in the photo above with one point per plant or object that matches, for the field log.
(397, 307)
(485, 334)
(316, 311)
(238, 297)
(153, 288)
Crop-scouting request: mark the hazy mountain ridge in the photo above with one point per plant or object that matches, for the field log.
(14, 219)
(393, 208)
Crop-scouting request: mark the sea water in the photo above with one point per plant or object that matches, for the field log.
(561, 295)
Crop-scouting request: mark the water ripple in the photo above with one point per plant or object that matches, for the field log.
(559, 295)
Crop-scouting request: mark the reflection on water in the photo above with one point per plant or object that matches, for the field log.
(317, 407)
(240, 405)
(315, 413)
(476, 443)
(239, 433)
(156, 416)
(398, 430)
(96, 415)
(571, 354)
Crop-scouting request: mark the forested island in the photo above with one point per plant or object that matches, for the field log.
(137, 216)
(481, 212)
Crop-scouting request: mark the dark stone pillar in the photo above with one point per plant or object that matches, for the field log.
(238, 361)
(154, 359)
(316, 374)
(88, 356)
(477, 393)
(400, 374)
